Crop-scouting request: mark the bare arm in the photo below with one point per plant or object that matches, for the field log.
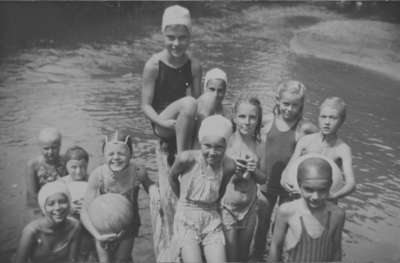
(150, 73)
(178, 168)
(144, 177)
(278, 237)
(197, 73)
(26, 244)
(32, 185)
(350, 183)
(229, 171)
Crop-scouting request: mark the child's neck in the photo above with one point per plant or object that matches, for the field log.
(285, 124)
(329, 139)
(244, 140)
(175, 61)
(50, 225)
(120, 174)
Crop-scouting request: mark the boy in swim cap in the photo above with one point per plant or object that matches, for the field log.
(309, 229)
(47, 167)
(327, 142)
(168, 77)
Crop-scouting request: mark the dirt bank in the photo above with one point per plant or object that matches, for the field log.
(369, 44)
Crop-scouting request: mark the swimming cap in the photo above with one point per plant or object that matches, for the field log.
(50, 189)
(215, 125)
(176, 15)
(215, 73)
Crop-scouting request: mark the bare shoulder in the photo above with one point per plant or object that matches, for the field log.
(94, 177)
(306, 127)
(187, 156)
(288, 209)
(152, 64)
(338, 214)
(266, 124)
(306, 139)
(343, 147)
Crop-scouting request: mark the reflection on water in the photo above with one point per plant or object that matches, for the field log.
(90, 87)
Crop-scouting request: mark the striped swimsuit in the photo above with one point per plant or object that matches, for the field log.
(310, 249)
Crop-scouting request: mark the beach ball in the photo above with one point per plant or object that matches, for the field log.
(337, 175)
(111, 213)
(77, 190)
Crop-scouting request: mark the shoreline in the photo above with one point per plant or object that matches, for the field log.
(363, 43)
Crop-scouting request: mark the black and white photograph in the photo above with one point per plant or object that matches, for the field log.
(200, 131)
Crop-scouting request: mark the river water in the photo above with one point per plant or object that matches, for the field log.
(86, 80)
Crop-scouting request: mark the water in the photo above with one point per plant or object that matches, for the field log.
(86, 80)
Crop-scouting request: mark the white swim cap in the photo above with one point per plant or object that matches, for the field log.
(216, 125)
(215, 73)
(50, 189)
(176, 15)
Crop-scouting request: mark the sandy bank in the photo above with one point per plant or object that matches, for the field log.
(369, 44)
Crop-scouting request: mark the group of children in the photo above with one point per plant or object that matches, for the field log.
(228, 169)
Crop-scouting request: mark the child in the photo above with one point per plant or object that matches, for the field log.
(54, 237)
(282, 132)
(48, 167)
(198, 178)
(168, 77)
(118, 175)
(309, 229)
(76, 161)
(327, 142)
(215, 84)
(239, 202)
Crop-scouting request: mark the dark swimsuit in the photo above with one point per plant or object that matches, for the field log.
(171, 84)
(310, 249)
(279, 147)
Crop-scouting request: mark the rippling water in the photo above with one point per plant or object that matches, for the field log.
(88, 87)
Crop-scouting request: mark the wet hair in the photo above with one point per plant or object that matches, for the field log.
(255, 102)
(118, 136)
(336, 103)
(293, 87)
(76, 153)
(322, 167)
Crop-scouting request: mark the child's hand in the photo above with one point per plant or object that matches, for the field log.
(168, 124)
(289, 188)
(251, 165)
(241, 167)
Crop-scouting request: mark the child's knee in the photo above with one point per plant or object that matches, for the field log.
(189, 105)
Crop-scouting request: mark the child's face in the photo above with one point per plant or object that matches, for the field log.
(315, 191)
(213, 149)
(289, 105)
(50, 149)
(246, 118)
(117, 156)
(77, 169)
(57, 207)
(218, 87)
(177, 40)
(329, 120)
